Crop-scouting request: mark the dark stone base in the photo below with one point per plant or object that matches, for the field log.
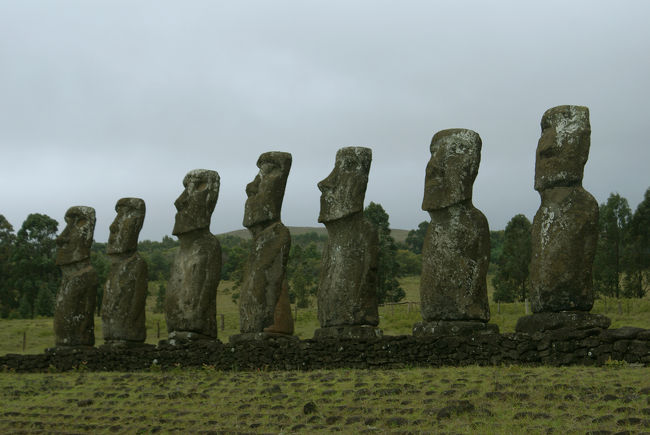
(453, 327)
(182, 337)
(67, 350)
(362, 332)
(124, 344)
(540, 322)
(261, 336)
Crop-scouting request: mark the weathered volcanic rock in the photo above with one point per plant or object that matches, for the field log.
(456, 249)
(347, 291)
(125, 291)
(264, 277)
(540, 322)
(563, 147)
(564, 237)
(565, 228)
(190, 301)
(264, 298)
(75, 301)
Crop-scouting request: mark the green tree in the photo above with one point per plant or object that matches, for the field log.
(511, 277)
(415, 238)
(388, 289)
(409, 263)
(613, 219)
(496, 247)
(303, 270)
(160, 298)
(8, 296)
(44, 304)
(33, 261)
(637, 253)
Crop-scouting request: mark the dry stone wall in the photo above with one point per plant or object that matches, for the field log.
(593, 346)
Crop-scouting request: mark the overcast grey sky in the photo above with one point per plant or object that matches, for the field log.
(101, 100)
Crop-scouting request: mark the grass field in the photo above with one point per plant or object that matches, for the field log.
(499, 400)
(486, 400)
(394, 319)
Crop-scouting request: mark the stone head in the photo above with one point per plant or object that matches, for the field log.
(266, 191)
(195, 205)
(126, 226)
(76, 239)
(452, 169)
(563, 147)
(344, 189)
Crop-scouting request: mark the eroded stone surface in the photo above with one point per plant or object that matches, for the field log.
(565, 228)
(125, 290)
(264, 298)
(354, 332)
(456, 249)
(190, 301)
(564, 237)
(540, 322)
(453, 327)
(264, 281)
(75, 301)
(344, 189)
(347, 291)
(563, 147)
(452, 169)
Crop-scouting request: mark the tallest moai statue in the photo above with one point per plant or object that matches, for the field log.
(565, 228)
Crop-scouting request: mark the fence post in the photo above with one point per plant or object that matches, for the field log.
(223, 321)
(24, 340)
(526, 306)
(498, 307)
(158, 329)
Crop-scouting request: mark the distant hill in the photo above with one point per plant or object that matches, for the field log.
(398, 235)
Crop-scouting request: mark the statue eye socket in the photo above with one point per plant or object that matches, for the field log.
(81, 223)
(202, 186)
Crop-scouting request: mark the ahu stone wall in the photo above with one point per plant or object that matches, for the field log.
(566, 346)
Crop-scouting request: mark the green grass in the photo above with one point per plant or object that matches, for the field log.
(496, 400)
(394, 319)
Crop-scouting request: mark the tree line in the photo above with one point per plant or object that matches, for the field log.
(621, 264)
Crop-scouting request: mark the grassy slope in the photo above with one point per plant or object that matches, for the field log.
(499, 400)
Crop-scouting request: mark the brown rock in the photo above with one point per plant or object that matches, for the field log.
(282, 319)
(347, 292)
(456, 249)
(125, 291)
(75, 301)
(190, 302)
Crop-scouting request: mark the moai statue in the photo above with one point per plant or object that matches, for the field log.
(565, 227)
(191, 299)
(264, 309)
(456, 249)
(74, 309)
(347, 292)
(125, 291)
